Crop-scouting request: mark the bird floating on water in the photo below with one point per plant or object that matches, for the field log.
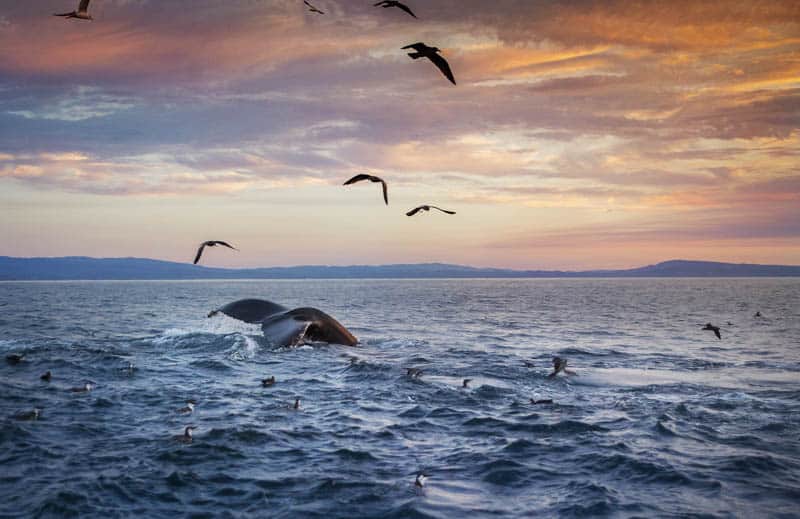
(714, 329)
(46, 376)
(296, 404)
(312, 8)
(82, 389)
(394, 3)
(543, 401)
(466, 382)
(559, 365)
(268, 382)
(427, 208)
(413, 372)
(189, 409)
(29, 415)
(186, 437)
(420, 481)
(211, 243)
(424, 51)
(371, 178)
(81, 14)
(15, 358)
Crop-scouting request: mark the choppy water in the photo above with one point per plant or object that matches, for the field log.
(662, 419)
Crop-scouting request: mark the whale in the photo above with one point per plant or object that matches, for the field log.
(285, 327)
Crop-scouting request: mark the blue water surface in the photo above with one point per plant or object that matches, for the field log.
(662, 418)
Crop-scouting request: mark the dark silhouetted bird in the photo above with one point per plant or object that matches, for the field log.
(427, 208)
(81, 14)
(395, 3)
(186, 437)
(371, 178)
(268, 382)
(714, 329)
(212, 243)
(559, 365)
(312, 8)
(545, 401)
(466, 382)
(46, 376)
(15, 358)
(423, 51)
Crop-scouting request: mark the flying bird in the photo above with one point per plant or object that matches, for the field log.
(371, 178)
(311, 8)
(714, 329)
(423, 51)
(212, 243)
(427, 208)
(81, 14)
(394, 3)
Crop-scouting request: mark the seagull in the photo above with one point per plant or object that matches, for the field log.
(29, 415)
(15, 358)
(423, 51)
(186, 437)
(371, 178)
(394, 3)
(189, 409)
(312, 8)
(267, 382)
(420, 481)
(46, 376)
(466, 382)
(559, 365)
(211, 243)
(80, 14)
(714, 329)
(427, 208)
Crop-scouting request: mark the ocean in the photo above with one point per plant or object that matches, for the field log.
(661, 419)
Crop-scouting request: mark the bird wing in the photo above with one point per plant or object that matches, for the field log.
(385, 192)
(64, 14)
(405, 8)
(443, 210)
(441, 63)
(84, 6)
(357, 178)
(716, 332)
(199, 253)
(379, 4)
(224, 244)
(414, 211)
(419, 46)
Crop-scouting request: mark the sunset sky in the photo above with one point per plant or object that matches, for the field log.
(581, 134)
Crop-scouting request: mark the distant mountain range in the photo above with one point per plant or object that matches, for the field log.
(83, 268)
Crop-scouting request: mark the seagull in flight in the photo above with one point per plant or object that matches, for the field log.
(714, 329)
(211, 243)
(423, 51)
(394, 3)
(427, 208)
(312, 8)
(371, 178)
(81, 14)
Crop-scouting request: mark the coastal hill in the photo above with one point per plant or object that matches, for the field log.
(84, 268)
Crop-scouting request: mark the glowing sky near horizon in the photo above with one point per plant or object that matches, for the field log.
(582, 134)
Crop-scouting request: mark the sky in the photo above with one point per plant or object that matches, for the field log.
(582, 134)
